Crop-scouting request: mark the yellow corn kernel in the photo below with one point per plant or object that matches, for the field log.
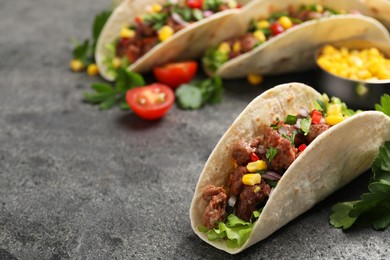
(256, 189)
(334, 109)
(285, 22)
(263, 24)
(251, 179)
(92, 70)
(116, 62)
(224, 47)
(255, 79)
(156, 8)
(319, 8)
(259, 35)
(127, 33)
(237, 47)
(232, 4)
(165, 33)
(334, 119)
(328, 50)
(383, 73)
(364, 74)
(76, 65)
(256, 166)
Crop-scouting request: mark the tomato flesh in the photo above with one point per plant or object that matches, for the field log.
(150, 102)
(175, 74)
(195, 4)
(316, 117)
(276, 28)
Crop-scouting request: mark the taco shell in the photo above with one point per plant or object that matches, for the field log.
(293, 50)
(331, 161)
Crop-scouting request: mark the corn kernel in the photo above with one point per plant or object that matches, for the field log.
(165, 33)
(127, 33)
(319, 8)
(259, 35)
(334, 119)
(285, 22)
(92, 70)
(76, 65)
(237, 47)
(116, 62)
(156, 8)
(232, 4)
(256, 166)
(263, 24)
(255, 79)
(224, 47)
(328, 50)
(256, 189)
(251, 179)
(334, 109)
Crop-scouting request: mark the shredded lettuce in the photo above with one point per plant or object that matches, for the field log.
(235, 230)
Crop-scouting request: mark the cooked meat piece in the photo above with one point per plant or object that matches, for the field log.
(215, 210)
(248, 42)
(249, 198)
(242, 153)
(235, 181)
(316, 130)
(286, 152)
(148, 44)
(174, 25)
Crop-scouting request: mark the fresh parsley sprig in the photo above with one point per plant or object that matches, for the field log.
(106, 95)
(373, 208)
(198, 93)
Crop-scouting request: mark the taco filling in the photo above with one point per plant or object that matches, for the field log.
(258, 166)
(260, 31)
(157, 25)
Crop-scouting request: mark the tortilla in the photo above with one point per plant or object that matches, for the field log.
(332, 160)
(293, 50)
(179, 47)
(380, 9)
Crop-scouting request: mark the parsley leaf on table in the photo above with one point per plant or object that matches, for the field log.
(198, 93)
(106, 96)
(373, 208)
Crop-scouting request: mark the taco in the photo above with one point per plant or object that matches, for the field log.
(281, 156)
(141, 34)
(380, 9)
(282, 36)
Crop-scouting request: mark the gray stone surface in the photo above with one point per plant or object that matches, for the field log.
(79, 183)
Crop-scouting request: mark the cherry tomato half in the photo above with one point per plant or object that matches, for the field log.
(195, 4)
(175, 74)
(276, 28)
(150, 102)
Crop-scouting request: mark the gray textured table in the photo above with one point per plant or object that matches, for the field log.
(79, 183)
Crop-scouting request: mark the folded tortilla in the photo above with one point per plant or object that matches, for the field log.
(188, 43)
(380, 9)
(333, 159)
(293, 50)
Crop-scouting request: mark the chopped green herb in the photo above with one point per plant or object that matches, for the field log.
(290, 138)
(385, 104)
(106, 96)
(213, 58)
(271, 153)
(198, 93)
(276, 125)
(305, 125)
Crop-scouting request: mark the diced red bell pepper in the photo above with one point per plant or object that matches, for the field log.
(254, 157)
(316, 116)
(302, 147)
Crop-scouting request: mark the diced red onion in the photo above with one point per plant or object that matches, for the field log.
(303, 112)
(261, 149)
(178, 19)
(232, 201)
(322, 121)
(298, 123)
(270, 175)
(207, 13)
(282, 130)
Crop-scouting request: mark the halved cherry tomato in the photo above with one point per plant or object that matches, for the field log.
(152, 101)
(276, 28)
(195, 4)
(175, 74)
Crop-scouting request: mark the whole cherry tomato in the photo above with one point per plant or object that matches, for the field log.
(276, 28)
(195, 4)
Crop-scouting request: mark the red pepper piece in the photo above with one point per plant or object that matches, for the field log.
(316, 116)
(302, 147)
(254, 157)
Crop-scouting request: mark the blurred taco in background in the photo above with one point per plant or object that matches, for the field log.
(290, 148)
(380, 9)
(141, 34)
(282, 36)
